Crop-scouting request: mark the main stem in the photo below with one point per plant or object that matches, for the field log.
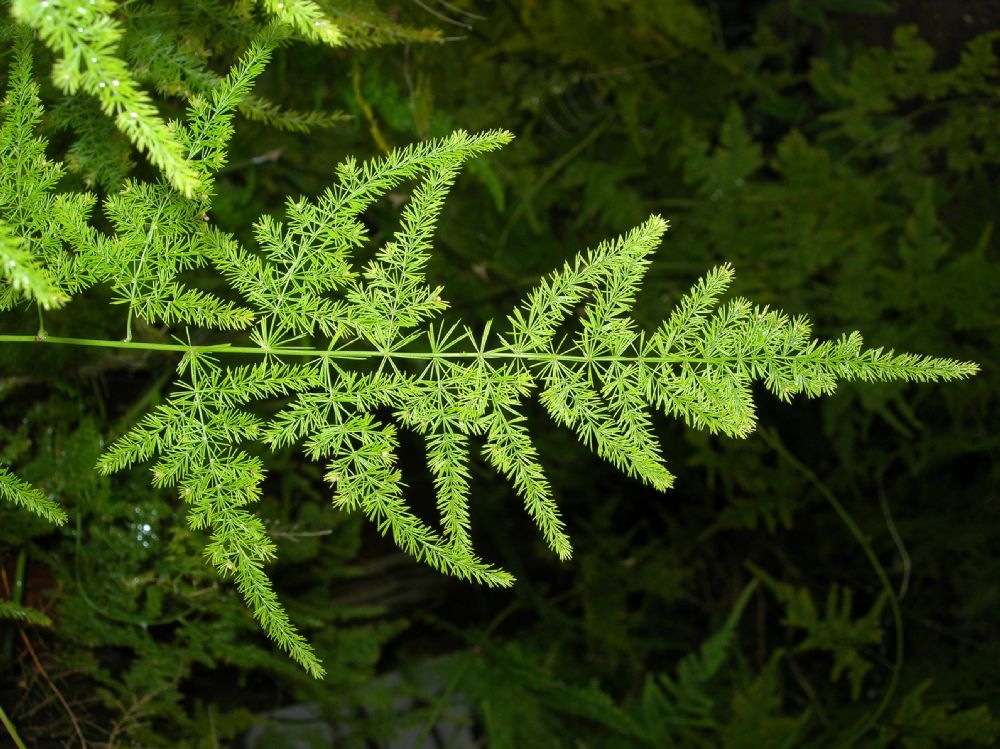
(226, 348)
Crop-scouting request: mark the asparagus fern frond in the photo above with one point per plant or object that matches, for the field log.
(367, 340)
(356, 348)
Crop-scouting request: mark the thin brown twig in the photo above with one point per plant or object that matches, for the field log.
(442, 16)
(462, 11)
(37, 705)
(136, 704)
(806, 686)
(59, 695)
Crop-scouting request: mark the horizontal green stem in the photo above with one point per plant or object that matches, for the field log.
(98, 343)
(539, 356)
(361, 354)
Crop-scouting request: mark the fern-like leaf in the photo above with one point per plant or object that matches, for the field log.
(357, 349)
(307, 18)
(25, 277)
(40, 230)
(14, 612)
(21, 493)
(85, 36)
(680, 703)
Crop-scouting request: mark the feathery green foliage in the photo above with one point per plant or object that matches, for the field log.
(85, 36)
(24, 276)
(39, 227)
(19, 492)
(841, 178)
(448, 383)
(306, 18)
(343, 343)
(17, 613)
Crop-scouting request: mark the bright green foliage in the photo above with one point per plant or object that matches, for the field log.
(352, 347)
(162, 47)
(160, 234)
(25, 278)
(135, 582)
(196, 435)
(21, 493)
(100, 56)
(38, 225)
(209, 128)
(85, 36)
(306, 18)
(699, 366)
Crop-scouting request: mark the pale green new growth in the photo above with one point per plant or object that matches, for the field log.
(164, 57)
(196, 436)
(351, 342)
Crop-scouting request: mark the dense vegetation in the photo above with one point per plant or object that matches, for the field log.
(828, 581)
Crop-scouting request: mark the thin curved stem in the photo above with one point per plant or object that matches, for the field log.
(52, 685)
(868, 722)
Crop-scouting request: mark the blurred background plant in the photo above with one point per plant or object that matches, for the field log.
(842, 154)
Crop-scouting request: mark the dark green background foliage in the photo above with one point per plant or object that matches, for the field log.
(842, 156)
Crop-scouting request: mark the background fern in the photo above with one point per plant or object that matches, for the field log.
(873, 174)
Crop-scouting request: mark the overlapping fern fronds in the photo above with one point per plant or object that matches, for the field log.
(114, 52)
(40, 228)
(345, 337)
(85, 36)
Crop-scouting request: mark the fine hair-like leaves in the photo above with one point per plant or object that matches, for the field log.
(344, 336)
